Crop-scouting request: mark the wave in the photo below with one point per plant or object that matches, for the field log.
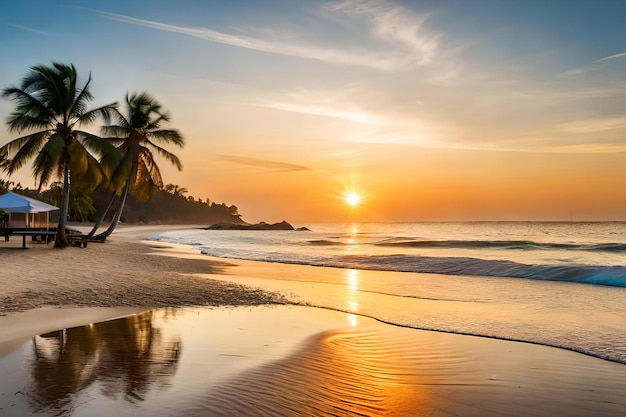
(450, 265)
(501, 244)
(591, 274)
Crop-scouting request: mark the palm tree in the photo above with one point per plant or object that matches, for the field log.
(137, 135)
(175, 190)
(51, 106)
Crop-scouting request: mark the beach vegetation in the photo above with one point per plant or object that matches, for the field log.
(138, 134)
(5, 186)
(167, 208)
(81, 205)
(114, 172)
(176, 189)
(50, 109)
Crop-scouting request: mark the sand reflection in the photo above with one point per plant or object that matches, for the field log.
(123, 357)
(338, 373)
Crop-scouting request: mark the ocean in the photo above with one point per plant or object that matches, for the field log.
(554, 284)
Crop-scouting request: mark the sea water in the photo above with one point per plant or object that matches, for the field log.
(557, 284)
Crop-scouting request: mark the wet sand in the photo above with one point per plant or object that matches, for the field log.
(277, 360)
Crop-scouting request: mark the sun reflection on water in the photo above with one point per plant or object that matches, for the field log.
(352, 282)
(353, 279)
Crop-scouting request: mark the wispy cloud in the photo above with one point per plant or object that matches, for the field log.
(262, 163)
(340, 105)
(396, 25)
(593, 125)
(594, 66)
(29, 29)
(407, 42)
(606, 58)
(352, 116)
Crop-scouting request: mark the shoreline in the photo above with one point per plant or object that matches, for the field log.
(266, 338)
(220, 282)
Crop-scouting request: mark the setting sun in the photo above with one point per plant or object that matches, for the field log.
(352, 199)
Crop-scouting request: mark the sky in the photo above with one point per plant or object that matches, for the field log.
(438, 110)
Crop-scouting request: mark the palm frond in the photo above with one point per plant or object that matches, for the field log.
(49, 158)
(14, 146)
(22, 149)
(33, 80)
(90, 116)
(20, 122)
(117, 132)
(96, 145)
(167, 136)
(169, 156)
(118, 118)
(115, 176)
(44, 167)
(87, 167)
(147, 158)
(144, 185)
(157, 117)
(78, 105)
(78, 158)
(52, 90)
(28, 107)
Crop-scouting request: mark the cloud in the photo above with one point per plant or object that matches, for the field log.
(337, 104)
(593, 125)
(407, 43)
(606, 58)
(29, 29)
(262, 163)
(397, 25)
(594, 66)
(352, 116)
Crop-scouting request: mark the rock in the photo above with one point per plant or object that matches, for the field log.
(303, 229)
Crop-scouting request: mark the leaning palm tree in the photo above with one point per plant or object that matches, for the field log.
(137, 135)
(51, 106)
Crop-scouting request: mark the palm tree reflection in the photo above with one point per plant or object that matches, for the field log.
(125, 357)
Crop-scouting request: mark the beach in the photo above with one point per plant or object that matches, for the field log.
(209, 336)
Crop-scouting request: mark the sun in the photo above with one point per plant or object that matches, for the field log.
(352, 199)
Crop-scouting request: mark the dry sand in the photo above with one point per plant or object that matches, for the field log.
(118, 273)
(335, 366)
(120, 277)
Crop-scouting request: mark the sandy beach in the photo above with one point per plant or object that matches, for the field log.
(217, 347)
(107, 280)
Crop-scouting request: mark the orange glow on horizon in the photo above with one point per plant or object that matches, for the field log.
(423, 185)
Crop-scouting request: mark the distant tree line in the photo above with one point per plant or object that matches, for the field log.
(167, 205)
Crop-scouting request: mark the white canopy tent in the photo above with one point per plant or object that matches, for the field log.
(15, 203)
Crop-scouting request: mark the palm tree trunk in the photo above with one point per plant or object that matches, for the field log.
(100, 219)
(118, 214)
(62, 240)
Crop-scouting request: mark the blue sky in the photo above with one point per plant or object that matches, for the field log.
(358, 94)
